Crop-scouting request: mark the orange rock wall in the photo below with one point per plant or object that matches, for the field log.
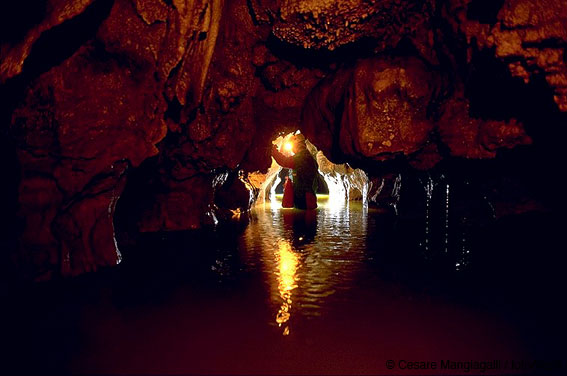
(199, 88)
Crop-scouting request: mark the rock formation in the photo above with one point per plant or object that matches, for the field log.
(530, 36)
(191, 91)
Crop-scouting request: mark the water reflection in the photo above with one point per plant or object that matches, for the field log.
(288, 263)
(299, 225)
(306, 257)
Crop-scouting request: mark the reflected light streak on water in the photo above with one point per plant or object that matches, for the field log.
(288, 263)
(305, 256)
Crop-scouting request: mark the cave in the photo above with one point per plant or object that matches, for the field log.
(143, 230)
(334, 184)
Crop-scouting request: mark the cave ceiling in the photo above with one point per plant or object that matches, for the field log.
(198, 88)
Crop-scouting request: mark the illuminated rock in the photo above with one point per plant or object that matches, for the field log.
(317, 24)
(475, 138)
(527, 35)
(383, 104)
(193, 89)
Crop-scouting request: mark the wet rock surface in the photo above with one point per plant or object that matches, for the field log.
(160, 100)
(332, 24)
(382, 105)
(529, 36)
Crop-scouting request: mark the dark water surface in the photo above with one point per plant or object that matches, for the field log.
(333, 291)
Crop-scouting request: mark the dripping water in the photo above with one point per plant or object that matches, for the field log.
(492, 209)
(447, 218)
(463, 259)
(396, 193)
(428, 196)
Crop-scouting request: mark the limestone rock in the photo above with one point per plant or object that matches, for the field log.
(376, 110)
(531, 36)
(235, 194)
(477, 138)
(528, 35)
(14, 54)
(185, 205)
(327, 24)
(189, 91)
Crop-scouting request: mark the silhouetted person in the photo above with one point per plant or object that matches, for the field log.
(304, 175)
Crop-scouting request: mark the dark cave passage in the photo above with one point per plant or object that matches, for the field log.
(147, 221)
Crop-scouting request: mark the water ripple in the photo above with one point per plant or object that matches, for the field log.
(305, 257)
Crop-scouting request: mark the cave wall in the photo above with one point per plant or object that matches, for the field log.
(153, 104)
